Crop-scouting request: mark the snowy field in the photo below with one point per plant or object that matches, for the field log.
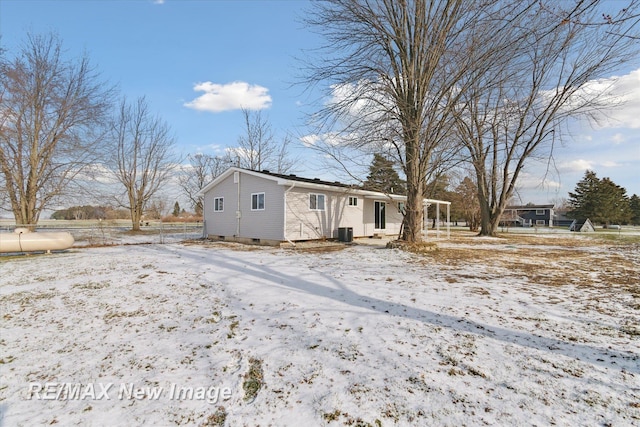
(527, 330)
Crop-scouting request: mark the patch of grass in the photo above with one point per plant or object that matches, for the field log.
(217, 419)
(253, 380)
(232, 329)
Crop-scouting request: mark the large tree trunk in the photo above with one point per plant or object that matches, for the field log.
(136, 215)
(489, 224)
(413, 216)
(415, 181)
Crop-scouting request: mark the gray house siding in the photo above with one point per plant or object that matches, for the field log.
(289, 208)
(221, 223)
(266, 223)
(393, 218)
(252, 224)
(304, 223)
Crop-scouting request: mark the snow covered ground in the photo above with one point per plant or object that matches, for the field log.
(536, 331)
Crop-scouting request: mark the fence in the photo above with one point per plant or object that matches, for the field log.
(101, 233)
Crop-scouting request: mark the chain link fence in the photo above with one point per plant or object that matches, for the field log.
(108, 233)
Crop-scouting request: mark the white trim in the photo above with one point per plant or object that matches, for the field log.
(324, 202)
(215, 204)
(264, 203)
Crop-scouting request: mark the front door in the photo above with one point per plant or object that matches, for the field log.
(380, 221)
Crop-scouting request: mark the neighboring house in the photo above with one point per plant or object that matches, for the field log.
(561, 219)
(582, 226)
(264, 207)
(528, 216)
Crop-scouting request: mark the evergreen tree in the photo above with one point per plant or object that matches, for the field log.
(613, 204)
(600, 200)
(634, 207)
(383, 177)
(583, 201)
(176, 209)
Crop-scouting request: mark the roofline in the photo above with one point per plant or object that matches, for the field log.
(524, 207)
(306, 184)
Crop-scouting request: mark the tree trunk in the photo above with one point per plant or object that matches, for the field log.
(136, 217)
(489, 225)
(414, 208)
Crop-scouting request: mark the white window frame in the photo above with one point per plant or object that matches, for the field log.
(539, 211)
(218, 204)
(257, 199)
(317, 196)
(353, 201)
(402, 207)
(541, 222)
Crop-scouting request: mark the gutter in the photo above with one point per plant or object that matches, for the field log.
(284, 228)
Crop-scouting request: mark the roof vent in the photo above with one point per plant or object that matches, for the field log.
(316, 179)
(265, 171)
(293, 175)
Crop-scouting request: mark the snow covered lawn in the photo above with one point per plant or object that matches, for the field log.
(479, 332)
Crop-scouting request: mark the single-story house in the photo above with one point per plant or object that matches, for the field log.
(263, 207)
(528, 216)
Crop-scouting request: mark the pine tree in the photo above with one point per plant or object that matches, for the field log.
(584, 199)
(600, 200)
(613, 206)
(176, 209)
(383, 177)
(634, 207)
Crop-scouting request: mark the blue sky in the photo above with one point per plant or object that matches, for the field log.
(244, 53)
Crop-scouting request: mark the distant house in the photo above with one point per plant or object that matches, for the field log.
(561, 219)
(528, 216)
(582, 226)
(263, 207)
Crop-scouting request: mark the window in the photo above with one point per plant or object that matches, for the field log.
(316, 202)
(353, 201)
(401, 208)
(539, 211)
(218, 204)
(257, 202)
(540, 222)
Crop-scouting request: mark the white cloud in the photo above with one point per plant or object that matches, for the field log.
(330, 139)
(230, 96)
(625, 90)
(577, 165)
(618, 138)
(610, 164)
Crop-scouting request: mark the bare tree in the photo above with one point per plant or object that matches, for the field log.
(142, 158)
(258, 148)
(533, 77)
(52, 113)
(202, 169)
(393, 70)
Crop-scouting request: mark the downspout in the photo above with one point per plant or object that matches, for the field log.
(238, 213)
(284, 229)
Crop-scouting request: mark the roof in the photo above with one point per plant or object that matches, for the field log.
(529, 207)
(314, 183)
(296, 178)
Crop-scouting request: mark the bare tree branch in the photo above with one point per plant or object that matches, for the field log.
(52, 113)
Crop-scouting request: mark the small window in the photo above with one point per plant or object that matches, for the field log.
(401, 208)
(539, 211)
(257, 202)
(316, 202)
(218, 204)
(353, 201)
(540, 222)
